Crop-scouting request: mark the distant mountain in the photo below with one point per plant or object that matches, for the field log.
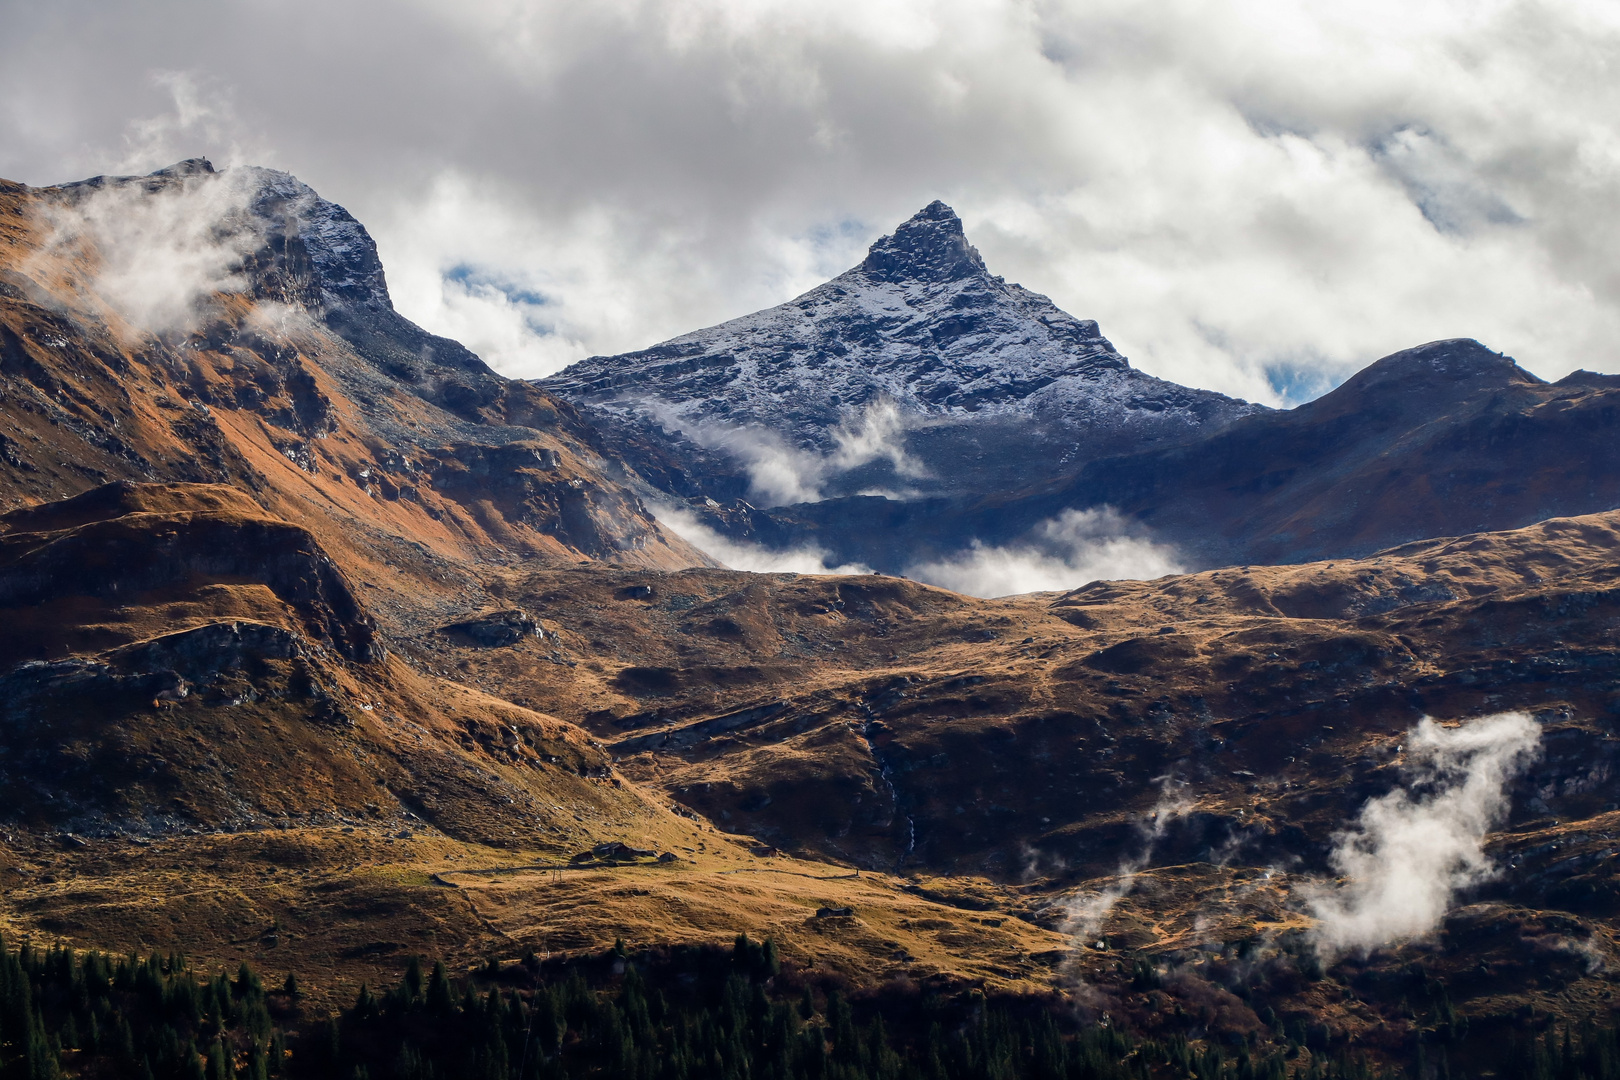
(917, 371)
(920, 404)
(1444, 439)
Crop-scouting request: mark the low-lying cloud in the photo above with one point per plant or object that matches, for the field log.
(1410, 851)
(780, 474)
(740, 555)
(158, 256)
(1065, 552)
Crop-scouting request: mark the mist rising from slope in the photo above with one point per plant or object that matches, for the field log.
(1064, 552)
(1085, 914)
(157, 256)
(1410, 851)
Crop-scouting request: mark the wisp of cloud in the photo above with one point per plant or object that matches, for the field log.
(1085, 914)
(1064, 552)
(740, 555)
(1410, 851)
(779, 473)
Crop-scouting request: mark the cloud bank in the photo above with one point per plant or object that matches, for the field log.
(739, 555)
(1065, 552)
(1410, 851)
(1251, 197)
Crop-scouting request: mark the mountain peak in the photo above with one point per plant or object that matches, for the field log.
(930, 246)
(1438, 371)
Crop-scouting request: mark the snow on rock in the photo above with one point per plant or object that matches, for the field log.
(980, 371)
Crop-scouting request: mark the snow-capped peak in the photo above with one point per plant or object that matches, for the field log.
(929, 247)
(978, 379)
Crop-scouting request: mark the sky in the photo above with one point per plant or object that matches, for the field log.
(1252, 197)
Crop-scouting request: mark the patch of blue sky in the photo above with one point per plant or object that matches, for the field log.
(837, 245)
(1295, 383)
(471, 277)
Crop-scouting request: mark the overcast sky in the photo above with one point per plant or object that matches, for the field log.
(1253, 197)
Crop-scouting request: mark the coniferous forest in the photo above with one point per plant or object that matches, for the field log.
(688, 1014)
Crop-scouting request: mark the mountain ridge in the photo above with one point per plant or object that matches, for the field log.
(1445, 438)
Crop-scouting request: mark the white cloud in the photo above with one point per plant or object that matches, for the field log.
(158, 256)
(1411, 850)
(740, 555)
(1064, 552)
(779, 473)
(1247, 196)
(876, 434)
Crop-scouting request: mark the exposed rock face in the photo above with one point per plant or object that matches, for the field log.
(114, 551)
(988, 383)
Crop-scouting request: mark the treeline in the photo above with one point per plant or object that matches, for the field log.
(1588, 1052)
(712, 1015)
(687, 1014)
(66, 1013)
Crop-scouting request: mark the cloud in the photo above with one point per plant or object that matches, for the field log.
(781, 473)
(197, 112)
(1085, 913)
(1410, 851)
(1064, 552)
(740, 555)
(157, 256)
(876, 433)
(1232, 190)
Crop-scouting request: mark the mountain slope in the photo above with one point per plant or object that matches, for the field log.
(173, 657)
(412, 672)
(1446, 438)
(235, 327)
(1442, 439)
(916, 370)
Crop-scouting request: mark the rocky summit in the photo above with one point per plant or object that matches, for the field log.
(917, 370)
(326, 651)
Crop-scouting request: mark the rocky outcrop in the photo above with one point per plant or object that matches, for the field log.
(498, 628)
